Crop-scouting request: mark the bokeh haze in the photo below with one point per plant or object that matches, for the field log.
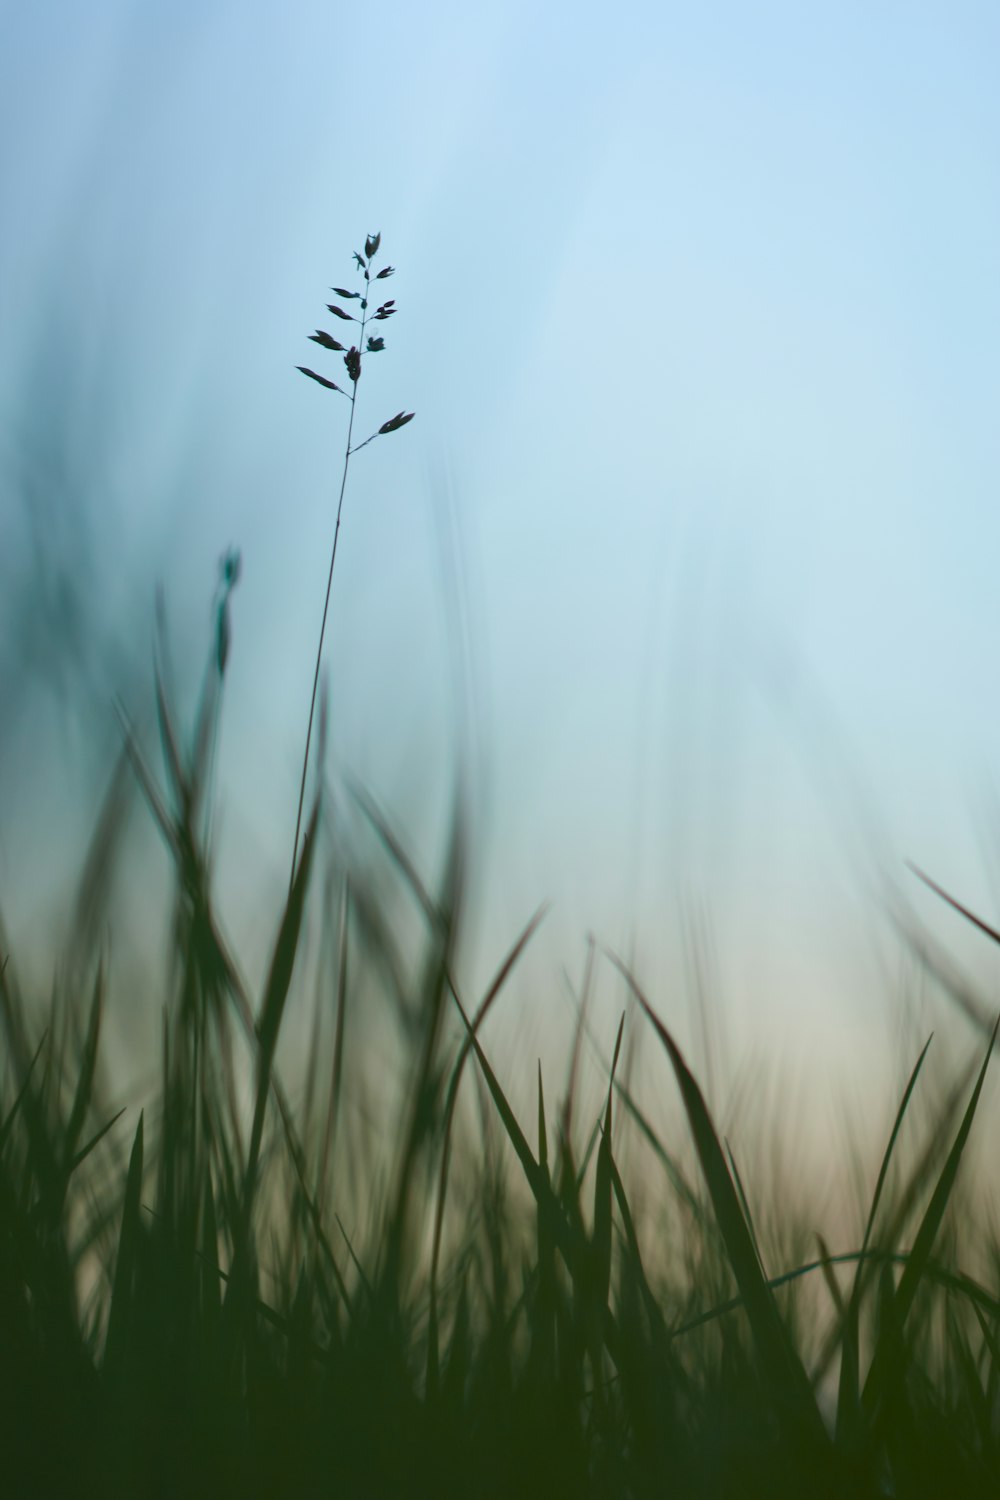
(699, 313)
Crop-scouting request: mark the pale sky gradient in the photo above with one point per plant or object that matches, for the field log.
(700, 315)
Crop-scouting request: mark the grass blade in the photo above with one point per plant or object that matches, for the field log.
(848, 1396)
(885, 1367)
(120, 1312)
(276, 993)
(451, 1098)
(88, 1063)
(779, 1362)
(601, 1241)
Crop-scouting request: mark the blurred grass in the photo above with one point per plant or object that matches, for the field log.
(243, 1290)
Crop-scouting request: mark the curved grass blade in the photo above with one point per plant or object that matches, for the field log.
(275, 995)
(172, 758)
(885, 1367)
(97, 873)
(571, 1249)
(423, 1107)
(211, 1275)
(12, 1113)
(744, 1205)
(88, 1064)
(544, 1312)
(393, 846)
(991, 932)
(337, 1066)
(675, 1175)
(574, 1063)
(653, 1310)
(601, 1241)
(957, 1282)
(826, 1266)
(780, 1364)
(120, 1311)
(95, 1140)
(850, 1380)
(543, 1139)
(938, 962)
(499, 980)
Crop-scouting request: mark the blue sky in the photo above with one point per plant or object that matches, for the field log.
(699, 313)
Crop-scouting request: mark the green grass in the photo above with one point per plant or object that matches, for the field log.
(241, 1290)
(238, 1286)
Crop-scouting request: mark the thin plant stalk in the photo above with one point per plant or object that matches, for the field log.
(322, 637)
(352, 359)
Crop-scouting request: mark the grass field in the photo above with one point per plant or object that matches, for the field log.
(325, 1284)
(249, 1290)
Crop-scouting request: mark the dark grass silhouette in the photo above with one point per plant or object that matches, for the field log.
(244, 1291)
(353, 362)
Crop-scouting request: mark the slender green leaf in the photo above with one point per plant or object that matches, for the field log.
(601, 1242)
(885, 1368)
(120, 1311)
(848, 1398)
(779, 1361)
(88, 1064)
(275, 995)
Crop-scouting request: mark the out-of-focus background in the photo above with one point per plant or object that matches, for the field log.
(690, 555)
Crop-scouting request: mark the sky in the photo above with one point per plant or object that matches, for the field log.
(689, 555)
